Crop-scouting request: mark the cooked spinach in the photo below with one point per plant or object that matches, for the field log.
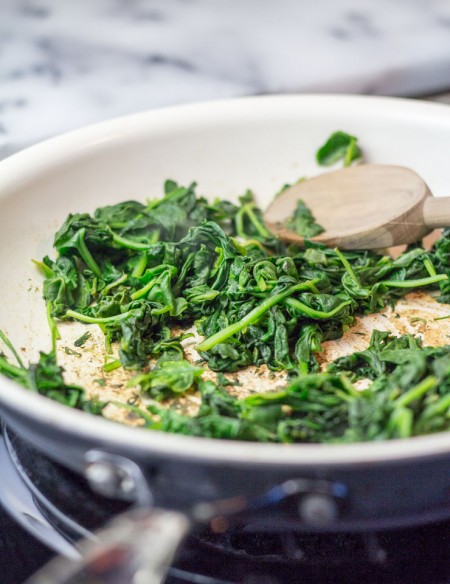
(339, 146)
(46, 377)
(410, 395)
(303, 221)
(84, 337)
(255, 300)
(138, 270)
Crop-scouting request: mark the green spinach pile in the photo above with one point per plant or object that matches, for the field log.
(410, 395)
(140, 270)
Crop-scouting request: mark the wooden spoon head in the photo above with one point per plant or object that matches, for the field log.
(362, 207)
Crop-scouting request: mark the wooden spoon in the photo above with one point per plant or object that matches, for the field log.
(363, 207)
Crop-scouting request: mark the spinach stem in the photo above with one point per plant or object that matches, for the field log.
(136, 410)
(13, 372)
(438, 408)
(263, 232)
(429, 266)
(311, 312)
(52, 325)
(247, 209)
(11, 347)
(350, 152)
(98, 320)
(112, 365)
(86, 254)
(414, 283)
(347, 266)
(48, 272)
(145, 290)
(140, 266)
(401, 422)
(416, 392)
(442, 317)
(128, 243)
(117, 282)
(251, 317)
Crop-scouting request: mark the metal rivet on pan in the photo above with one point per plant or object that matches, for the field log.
(317, 509)
(106, 479)
(115, 476)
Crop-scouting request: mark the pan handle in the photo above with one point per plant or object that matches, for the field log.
(137, 546)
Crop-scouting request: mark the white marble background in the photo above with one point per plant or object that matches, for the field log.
(65, 63)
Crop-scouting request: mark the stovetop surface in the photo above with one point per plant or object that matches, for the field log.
(242, 555)
(20, 553)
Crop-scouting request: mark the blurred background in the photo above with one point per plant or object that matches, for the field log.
(67, 63)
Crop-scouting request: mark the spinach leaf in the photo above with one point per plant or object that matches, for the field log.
(303, 222)
(339, 146)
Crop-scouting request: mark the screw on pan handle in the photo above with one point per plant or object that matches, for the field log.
(137, 546)
(318, 501)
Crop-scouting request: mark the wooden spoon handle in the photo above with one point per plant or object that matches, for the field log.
(436, 212)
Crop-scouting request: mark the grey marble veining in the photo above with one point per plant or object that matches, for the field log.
(65, 63)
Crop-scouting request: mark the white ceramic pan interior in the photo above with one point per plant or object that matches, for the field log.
(226, 147)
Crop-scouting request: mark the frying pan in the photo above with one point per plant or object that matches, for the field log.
(226, 146)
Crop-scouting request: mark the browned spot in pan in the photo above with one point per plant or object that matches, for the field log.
(415, 314)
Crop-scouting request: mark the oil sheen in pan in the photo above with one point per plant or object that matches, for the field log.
(414, 314)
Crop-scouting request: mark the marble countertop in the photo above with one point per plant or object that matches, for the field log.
(64, 64)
